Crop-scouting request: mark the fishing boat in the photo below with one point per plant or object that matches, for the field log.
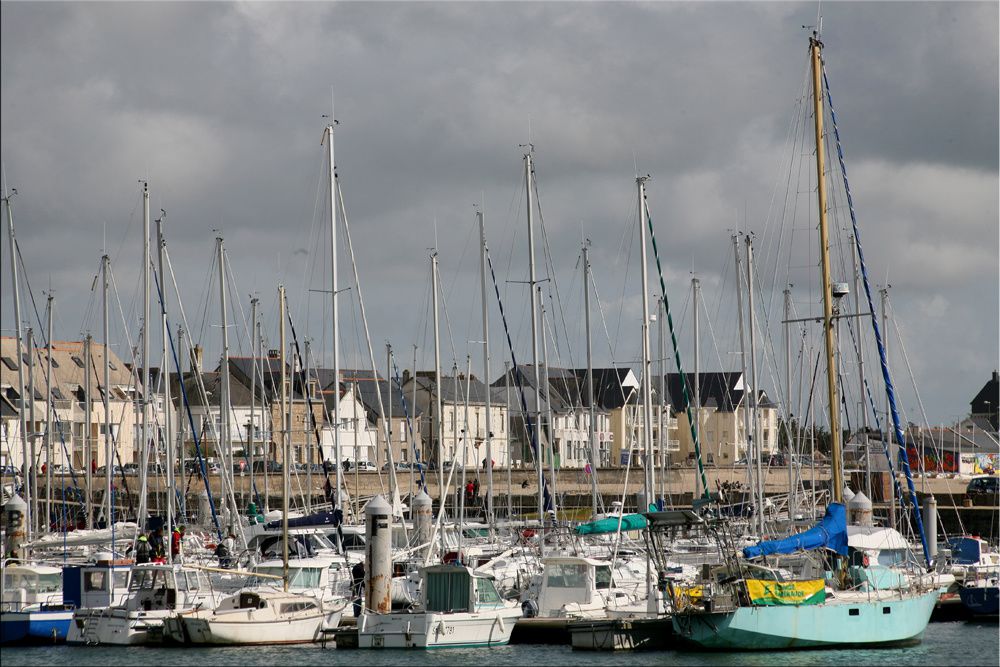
(458, 609)
(156, 592)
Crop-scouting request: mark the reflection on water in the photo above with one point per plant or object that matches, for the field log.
(974, 643)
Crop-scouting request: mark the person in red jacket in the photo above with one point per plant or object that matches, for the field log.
(175, 541)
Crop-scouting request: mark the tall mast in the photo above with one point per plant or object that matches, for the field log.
(661, 356)
(695, 307)
(336, 316)
(647, 396)
(33, 436)
(863, 413)
(225, 439)
(252, 431)
(548, 409)
(286, 450)
(815, 46)
(486, 370)
(168, 405)
(754, 394)
(510, 494)
(108, 442)
(49, 410)
(591, 426)
(27, 458)
(743, 360)
(87, 441)
(144, 399)
(887, 434)
(788, 405)
(539, 459)
(306, 427)
(437, 383)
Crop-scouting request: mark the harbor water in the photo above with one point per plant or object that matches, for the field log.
(957, 643)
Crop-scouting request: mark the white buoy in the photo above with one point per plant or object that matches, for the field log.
(378, 556)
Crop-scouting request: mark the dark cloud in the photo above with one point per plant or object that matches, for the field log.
(220, 107)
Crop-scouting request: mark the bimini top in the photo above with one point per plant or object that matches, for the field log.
(830, 533)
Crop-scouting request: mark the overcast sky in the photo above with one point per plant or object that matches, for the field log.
(219, 106)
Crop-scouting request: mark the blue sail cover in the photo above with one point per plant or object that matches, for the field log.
(830, 533)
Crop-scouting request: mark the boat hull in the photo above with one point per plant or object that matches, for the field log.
(981, 600)
(216, 630)
(117, 627)
(858, 622)
(621, 634)
(431, 630)
(35, 627)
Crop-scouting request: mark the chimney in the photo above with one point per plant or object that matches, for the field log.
(406, 375)
(996, 376)
(196, 357)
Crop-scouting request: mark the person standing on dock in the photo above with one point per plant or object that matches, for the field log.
(357, 585)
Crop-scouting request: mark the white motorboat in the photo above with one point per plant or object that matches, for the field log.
(458, 609)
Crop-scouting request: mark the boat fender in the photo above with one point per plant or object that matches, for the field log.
(864, 560)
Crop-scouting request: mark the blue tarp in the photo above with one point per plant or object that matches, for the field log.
(964, 550)
(830, 533)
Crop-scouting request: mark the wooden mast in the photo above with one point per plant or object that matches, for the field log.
(815, 46)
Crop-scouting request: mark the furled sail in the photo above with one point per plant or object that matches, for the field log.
(830, 533)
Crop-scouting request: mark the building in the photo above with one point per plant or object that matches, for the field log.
(74, 441)
(721, 418)
(460, 414)
(375, 396)
(986, 403)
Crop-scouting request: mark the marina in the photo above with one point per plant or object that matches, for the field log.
(730, 465)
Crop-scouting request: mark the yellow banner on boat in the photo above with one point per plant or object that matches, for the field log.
(762, 592)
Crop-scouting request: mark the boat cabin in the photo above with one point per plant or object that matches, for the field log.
(163, 587)
(455, 588)
(570, 580)
(27, 585)
(102, 584)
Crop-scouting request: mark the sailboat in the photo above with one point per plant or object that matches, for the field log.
(751, 603)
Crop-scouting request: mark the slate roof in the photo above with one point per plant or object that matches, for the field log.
(716, 390)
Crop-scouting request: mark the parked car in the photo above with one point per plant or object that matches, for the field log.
(271, 466)
(984, 486)
(156, 469)
(130, 469)
(364, 466)
(115, 470)
(63, 469)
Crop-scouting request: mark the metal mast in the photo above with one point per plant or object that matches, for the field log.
(437, 382)
(647, 396)
(144, 399)
(788, 405)
(336, 317)
(486, 370)
(743, 361)
(49, 405)
(539, 459)
(168, 422)
(286, 427)
(108, 443)
(548, 409)
(225, 438)
(88, 412)
(695, 290)
(33, 436)
(754, 394)
(27, 458)
(591, 426)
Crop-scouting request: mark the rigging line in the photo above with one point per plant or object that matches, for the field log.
(371, 354)
(234, 298)
(889, 388)
(677, 356)
(406, 414)
(551, 269)
(207, 295)
(519, 378)
(607, 336)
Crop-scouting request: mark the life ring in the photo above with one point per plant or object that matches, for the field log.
(864, 560)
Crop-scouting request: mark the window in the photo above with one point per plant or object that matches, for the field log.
(57, 394)
(566, 575)
(9, 363)
(55, 364)
(486, 592)
(603, 577)
(77, 360)
(94, 581)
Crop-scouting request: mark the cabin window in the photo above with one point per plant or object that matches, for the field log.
(566, 575)
(603, 577)
(95, 581)
(297, 606)
(447, 590)
(121, 579)
(486, 592)
(141, 579)
(304, 577)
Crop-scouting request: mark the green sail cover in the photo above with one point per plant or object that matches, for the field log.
(610, 525)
